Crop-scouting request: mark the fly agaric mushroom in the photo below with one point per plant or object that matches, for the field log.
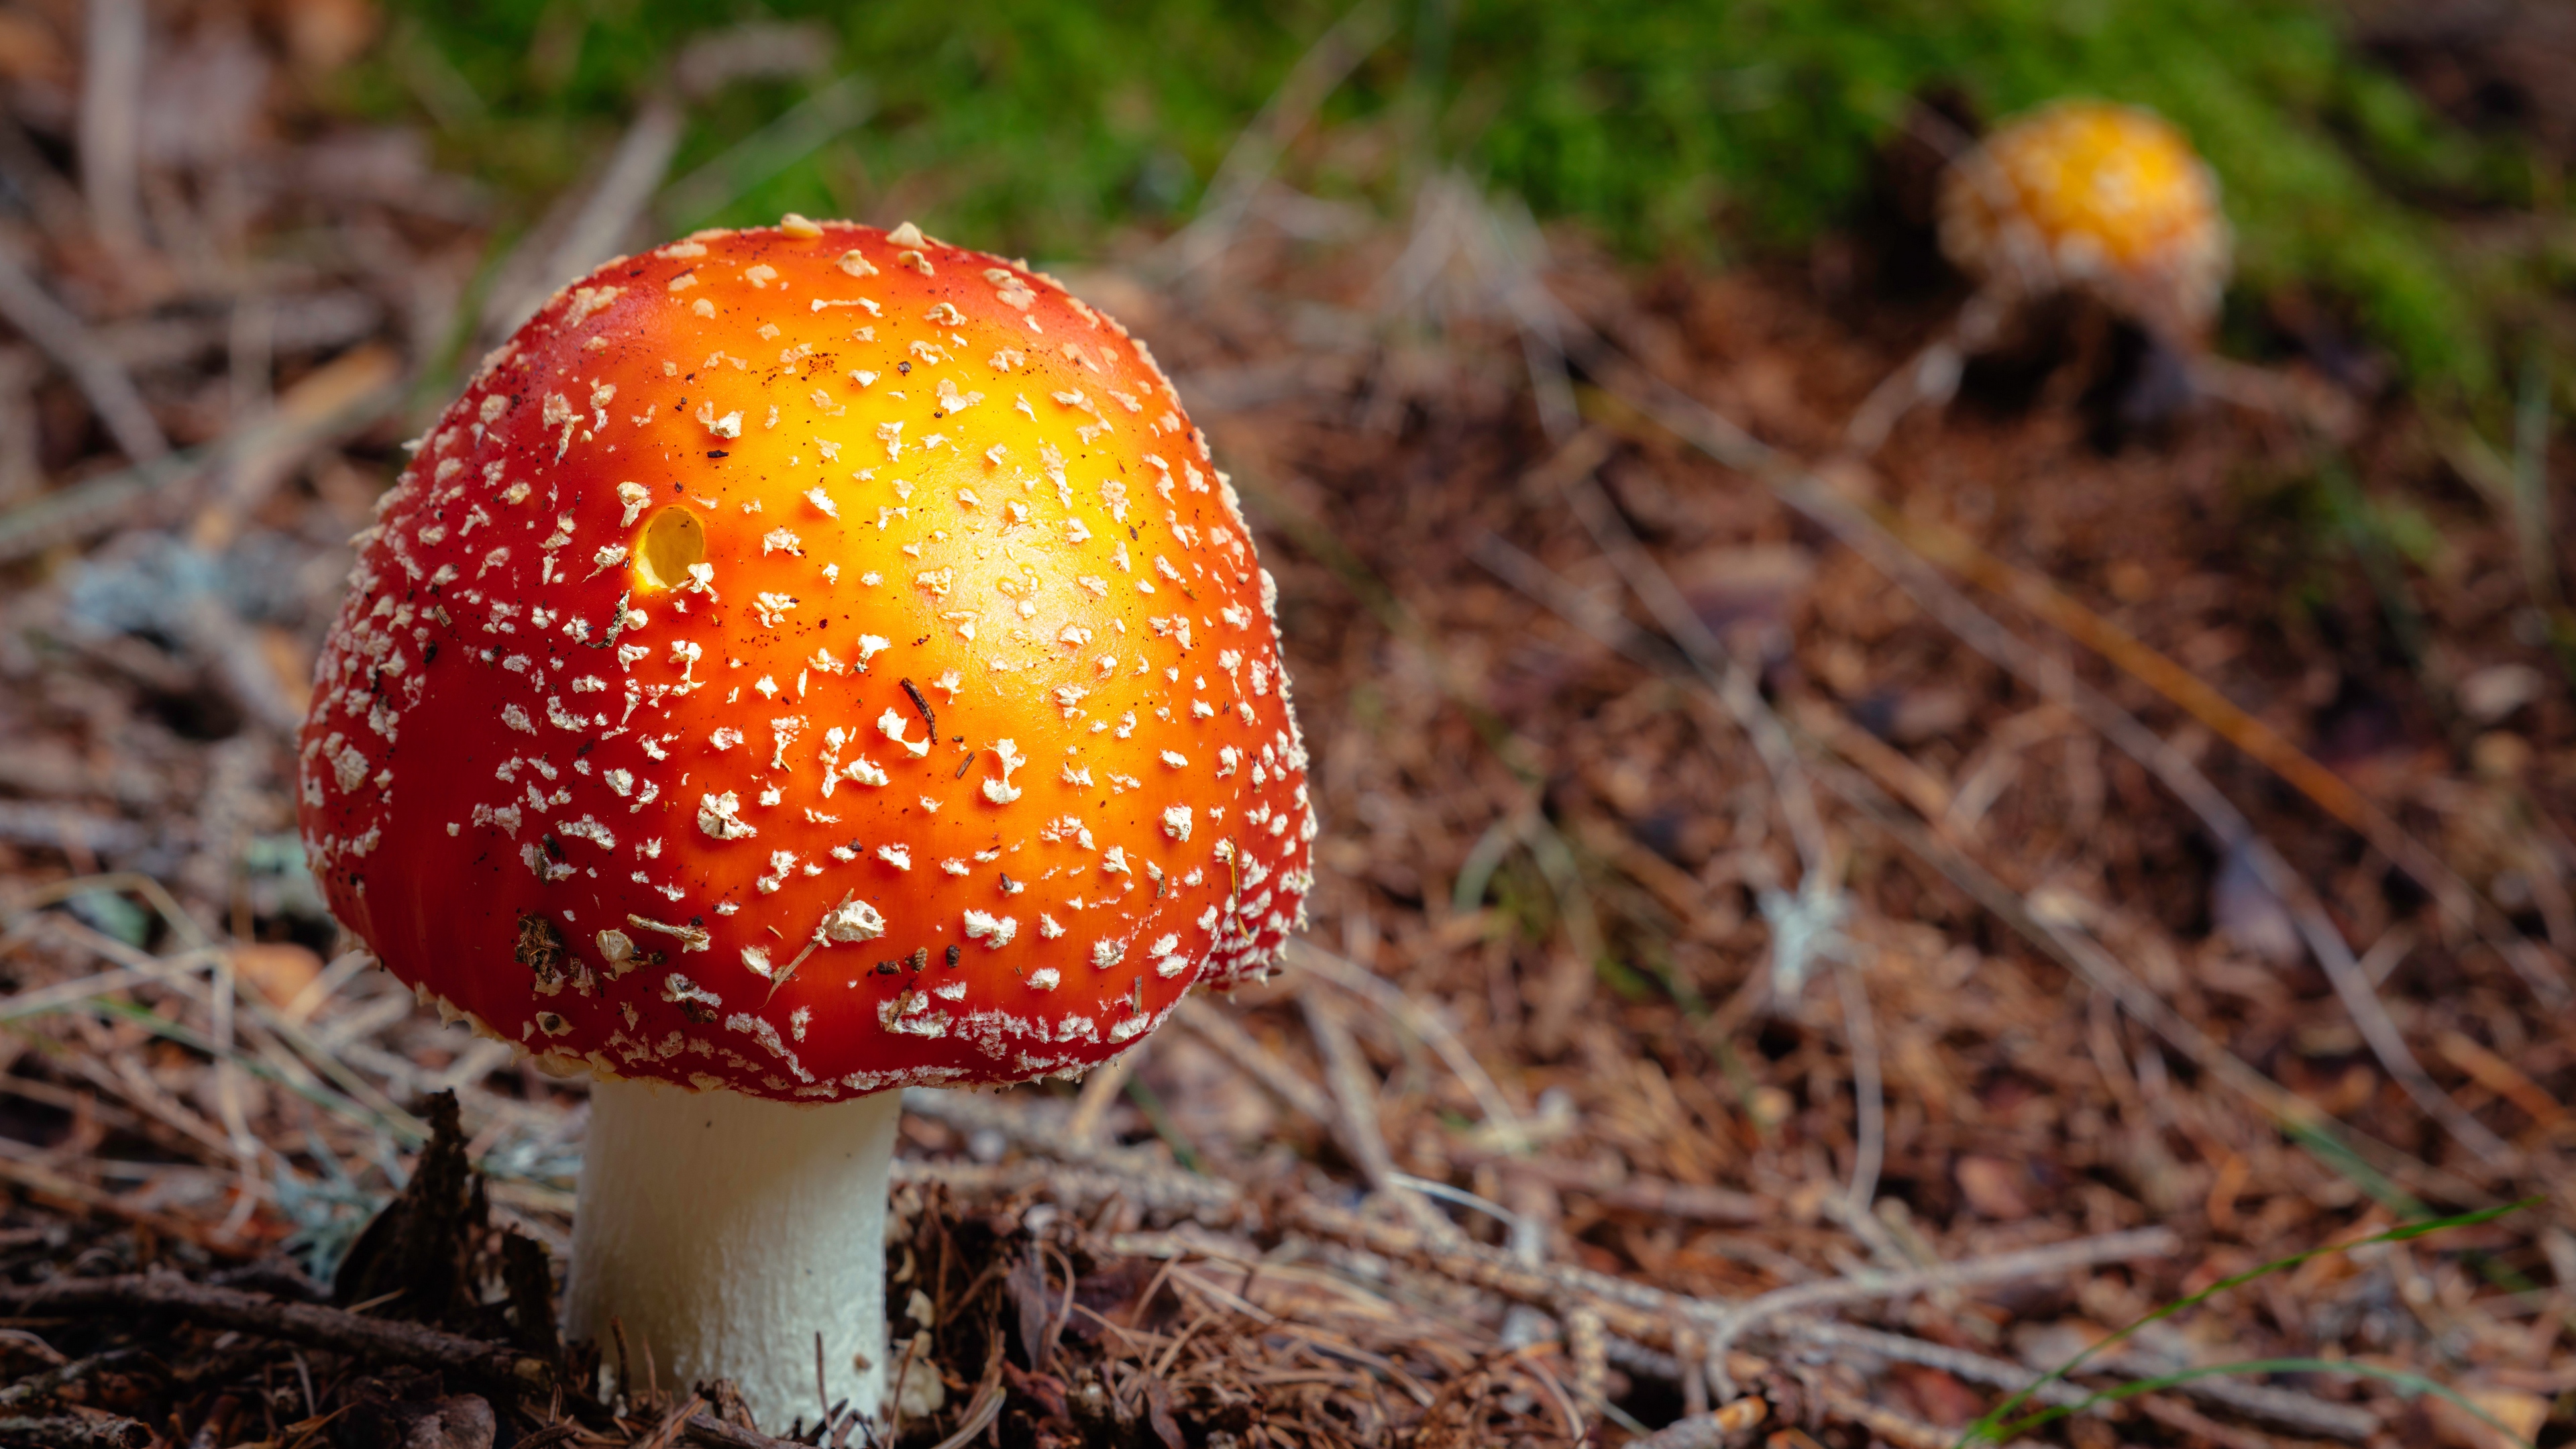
(807, 662)
(2077, 196)
(2092, 196)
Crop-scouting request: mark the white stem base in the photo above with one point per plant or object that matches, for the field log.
(726, 1231)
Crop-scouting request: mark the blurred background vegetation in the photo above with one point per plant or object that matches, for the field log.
(1698, 131)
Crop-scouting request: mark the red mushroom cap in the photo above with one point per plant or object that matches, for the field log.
(811, 661)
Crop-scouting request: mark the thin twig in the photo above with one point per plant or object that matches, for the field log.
(1586, 1346)
(2322, 786)
(1036, 1126)
(1869, 1107)
(1850, 1339)
(1728, 678)
(56, 204)
(984, 1408)
(1240, 1048)
(1716, 665)
(1668, 408)
(1210, 1199)
(1100, 1092)
(306, 1323)
(363, 1101)
(1930, 376)
(1646, 1314)
(1707, 1429)
(1731, 1322)
(306, 414)
(2058, 940)
(587, 231)
(1689, 1202)
(74, 1431)
(1571, 982)
(2231, 721)
(61, 1376)
(832, 110)
(2174, 1414)
(70, 831)
(111, 123)
(66, 993)
(52, 1186)
(625, 187)
(2070, 947)
(1572, 472)
(1885, 1424)
(1424, 1023)
(51, 326)
(1258, 147)
(1732, 682)
(1354, 1089)
(278, 436)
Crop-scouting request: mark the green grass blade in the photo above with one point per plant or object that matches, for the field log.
(2413, 1384)
(1990, 1428)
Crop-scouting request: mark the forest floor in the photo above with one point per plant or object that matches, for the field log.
(1801, 940)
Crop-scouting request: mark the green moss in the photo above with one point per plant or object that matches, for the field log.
(1032, 126)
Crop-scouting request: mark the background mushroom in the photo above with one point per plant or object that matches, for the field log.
(2095, 196)
(807, 662)
(2089, 197)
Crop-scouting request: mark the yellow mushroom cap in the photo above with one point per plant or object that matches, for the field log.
(2089, 195)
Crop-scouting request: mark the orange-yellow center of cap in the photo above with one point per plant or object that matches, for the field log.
(2119, 177)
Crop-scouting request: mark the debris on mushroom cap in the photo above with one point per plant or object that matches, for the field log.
(2088, 194)
(816, 660)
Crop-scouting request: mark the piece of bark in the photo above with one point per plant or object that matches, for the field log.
(74, 1431)
(311, 1324)
(416, 1255)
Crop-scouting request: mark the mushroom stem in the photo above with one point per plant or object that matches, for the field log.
(723, 1232)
